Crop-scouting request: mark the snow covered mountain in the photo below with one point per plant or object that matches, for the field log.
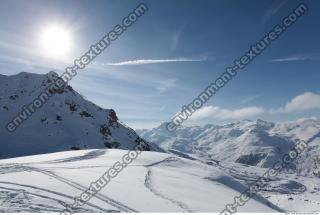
(67, 121)
(256, 143)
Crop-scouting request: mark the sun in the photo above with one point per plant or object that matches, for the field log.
(56, 41)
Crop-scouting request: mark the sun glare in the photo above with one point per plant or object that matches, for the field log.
(55, 41)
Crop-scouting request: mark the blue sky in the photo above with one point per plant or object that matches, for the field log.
(189, 43)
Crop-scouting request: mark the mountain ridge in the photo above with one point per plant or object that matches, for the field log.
(67, 121)
(255, 143)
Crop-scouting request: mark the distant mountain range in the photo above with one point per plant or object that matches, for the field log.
(254, 143)
(67, 121)
(70, 122)
(222, 160)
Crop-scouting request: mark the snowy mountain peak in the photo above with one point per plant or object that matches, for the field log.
(66, 121)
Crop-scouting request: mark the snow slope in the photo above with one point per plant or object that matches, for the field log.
(246, 149)
(67, 121)
(256, 143)
(155, 182)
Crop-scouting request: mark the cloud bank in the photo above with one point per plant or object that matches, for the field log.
(301, 103)
(307, 101)
(220, 113)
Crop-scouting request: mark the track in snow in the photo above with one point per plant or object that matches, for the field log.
(148, 185)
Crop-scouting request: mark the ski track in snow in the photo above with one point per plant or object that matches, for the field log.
(63, 203)
(148, 185)
(66, 181)
(30, 208)
(14, 196)
(82, 188)
(90, 155)
(167, 160)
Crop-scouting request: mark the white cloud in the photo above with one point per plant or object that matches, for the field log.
(299, 57)
(292, 58)
(304, 102)
(301, 103)
(220, 113)
(154, 61)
